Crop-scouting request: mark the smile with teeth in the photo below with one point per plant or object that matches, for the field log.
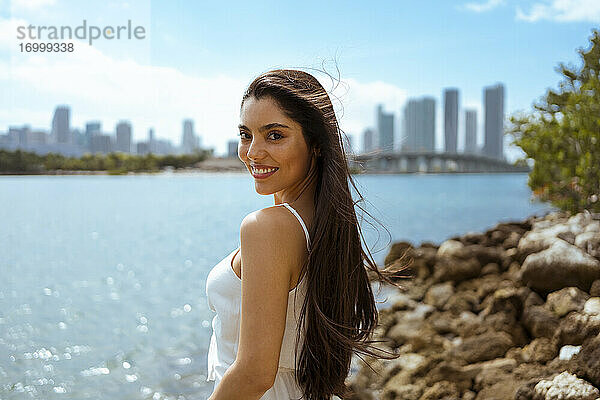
(263, 170)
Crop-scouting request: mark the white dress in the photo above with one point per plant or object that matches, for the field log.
(223, 291)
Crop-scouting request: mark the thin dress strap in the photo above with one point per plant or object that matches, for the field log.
(301, 223)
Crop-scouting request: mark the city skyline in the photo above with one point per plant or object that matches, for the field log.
(417, 132)
(190, 66)
(69, 140)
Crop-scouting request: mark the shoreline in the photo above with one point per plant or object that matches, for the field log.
(509, 313)
(226, 170)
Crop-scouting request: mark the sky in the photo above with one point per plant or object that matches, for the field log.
(197, 57)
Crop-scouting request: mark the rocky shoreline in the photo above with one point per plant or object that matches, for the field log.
(512, 313)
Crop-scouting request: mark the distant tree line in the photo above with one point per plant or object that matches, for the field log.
(562, 136)
(21, 162)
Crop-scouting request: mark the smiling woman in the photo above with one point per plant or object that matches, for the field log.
(295, 301)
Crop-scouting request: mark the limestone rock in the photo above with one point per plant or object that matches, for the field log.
(566, 300)
(588, 359)
(576, 327)
(565, 386)
(589, 242)
(540, 322)
(456, 269)
(561, 265)
(486, 346)
(439, 294)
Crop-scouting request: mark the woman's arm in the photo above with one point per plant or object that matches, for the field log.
(270, 250)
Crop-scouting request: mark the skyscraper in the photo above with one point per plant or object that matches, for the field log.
(368, 138)
(232, 148)
(189, 141)
(91, 129)
(385, 130)
(123, 137)
(471, 131)
(101, 144)
(151, 142)
(419, 125)
(450, 119)
(494, 121)
(61, 129)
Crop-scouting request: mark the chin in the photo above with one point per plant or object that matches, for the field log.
(263, 191)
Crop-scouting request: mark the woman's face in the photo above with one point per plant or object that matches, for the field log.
(271, 141)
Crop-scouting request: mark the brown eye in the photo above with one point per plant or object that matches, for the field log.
(241, 135)
(278, 134)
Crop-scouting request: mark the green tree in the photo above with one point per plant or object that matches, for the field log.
(562, 136)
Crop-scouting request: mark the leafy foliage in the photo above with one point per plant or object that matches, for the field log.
(562, 136)
(115, 163)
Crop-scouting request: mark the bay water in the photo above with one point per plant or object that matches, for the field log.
(103, 278)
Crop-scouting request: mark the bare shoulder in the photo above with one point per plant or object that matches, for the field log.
(276, 225)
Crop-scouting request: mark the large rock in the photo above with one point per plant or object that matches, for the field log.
(456, 269)
(538, 240)
(505, 389)
(540, 322)
(486, 346)
(450, 248)
(565, 386)
(540, 350)
(576, 327)
(439, 294)
(443, 390)
(588, 359)
(589, 242)
(559, 266)
(566, 300)
(490, 372)
(452, 372)
(592, 306)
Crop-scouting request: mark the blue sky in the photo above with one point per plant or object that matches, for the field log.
(198, 56)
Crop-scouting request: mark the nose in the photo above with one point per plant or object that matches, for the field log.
(255, 150)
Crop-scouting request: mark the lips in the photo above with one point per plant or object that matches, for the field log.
(261, 166)
(257, 175)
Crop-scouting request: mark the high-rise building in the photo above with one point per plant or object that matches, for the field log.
(189, 141)
(494, 121)
(92, 128)
(419, 125)
(232, 148)
(61, 129)
(385, 130)
(151, 142)
(78, 137)
(450, 119)
(163, 147)
(101, 143)
(142, 148)
(471, 131)
(123, 137)
(368, 140)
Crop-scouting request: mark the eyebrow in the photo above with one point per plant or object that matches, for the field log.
(266, 127)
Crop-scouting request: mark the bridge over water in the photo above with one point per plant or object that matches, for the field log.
(426, 162)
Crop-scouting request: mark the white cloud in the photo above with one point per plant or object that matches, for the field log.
(105, 88)
(30, 5)
(562, 11)
(483, 7)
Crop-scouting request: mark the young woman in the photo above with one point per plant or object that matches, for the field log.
(294, 301)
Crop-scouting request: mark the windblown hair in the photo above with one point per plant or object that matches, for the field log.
(339, 312)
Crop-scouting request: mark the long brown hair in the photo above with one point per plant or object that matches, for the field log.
(339, 312)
